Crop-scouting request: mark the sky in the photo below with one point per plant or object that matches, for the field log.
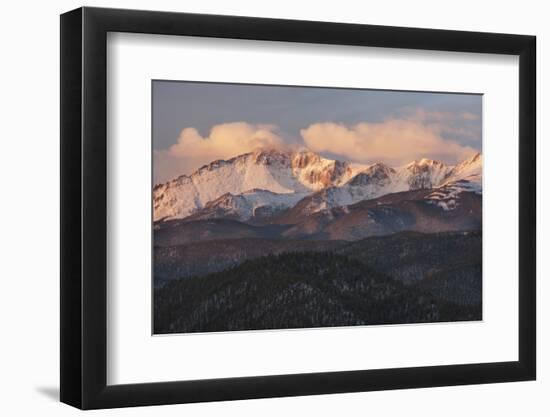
(195, 123)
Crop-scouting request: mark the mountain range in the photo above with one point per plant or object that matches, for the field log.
(259, 186)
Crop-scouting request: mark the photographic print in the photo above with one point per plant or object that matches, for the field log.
(289, 207)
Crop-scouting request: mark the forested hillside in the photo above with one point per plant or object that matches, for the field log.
(297, 290)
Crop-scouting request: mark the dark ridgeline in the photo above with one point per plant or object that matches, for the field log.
(403, 278)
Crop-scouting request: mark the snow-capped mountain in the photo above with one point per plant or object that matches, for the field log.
(261, 183)
(279, 172)
(378, 180)
(369, 183)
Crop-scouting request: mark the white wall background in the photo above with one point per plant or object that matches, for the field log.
(29, 225)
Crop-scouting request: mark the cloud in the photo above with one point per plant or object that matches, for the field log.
(413, 134)
(191, 151)
(395, 141)
(463, 126)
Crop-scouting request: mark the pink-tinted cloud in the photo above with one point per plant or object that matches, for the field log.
(226, 140)
(396, 141)
(393, 141)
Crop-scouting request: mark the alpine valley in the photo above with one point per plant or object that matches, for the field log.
(276, 239)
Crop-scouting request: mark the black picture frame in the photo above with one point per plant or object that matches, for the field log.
(84, 207)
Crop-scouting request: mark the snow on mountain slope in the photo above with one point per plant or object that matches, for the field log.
(280, 172)
(379, 179)
(464, 177)
(469, 170)
(370, 183)
(448, 195)
(253, 203)
(419, 175)
(263, 182)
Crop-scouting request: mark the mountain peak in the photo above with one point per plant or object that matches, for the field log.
(270, 150)
(475, 158)
(303, 158)
(469, 169)
(271, 156)
(425, 162)
(379, 167)
(425, 173)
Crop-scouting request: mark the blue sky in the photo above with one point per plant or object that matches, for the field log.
(331, 121)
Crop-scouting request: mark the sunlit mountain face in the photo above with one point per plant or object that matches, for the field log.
(265, 182)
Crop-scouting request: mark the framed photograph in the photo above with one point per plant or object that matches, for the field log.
(256, 208)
